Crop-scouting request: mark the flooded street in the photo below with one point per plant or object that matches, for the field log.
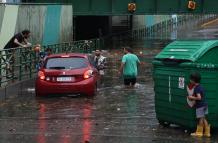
(115, 115)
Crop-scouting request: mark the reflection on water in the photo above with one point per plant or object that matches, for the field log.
(64, 119)
(87, 123)
(42, 124)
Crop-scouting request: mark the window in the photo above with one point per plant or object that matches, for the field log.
(66, 63)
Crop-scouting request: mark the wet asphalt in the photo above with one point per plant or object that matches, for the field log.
(116, 115)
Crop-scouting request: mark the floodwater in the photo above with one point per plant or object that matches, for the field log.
(115, 115)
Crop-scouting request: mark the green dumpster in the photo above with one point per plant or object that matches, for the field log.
(172, 68)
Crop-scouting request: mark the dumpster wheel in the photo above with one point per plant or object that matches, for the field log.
(164, 124)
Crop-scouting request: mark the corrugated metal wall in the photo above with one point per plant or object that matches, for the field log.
(49, 24)
(32, 18)
(66, 33)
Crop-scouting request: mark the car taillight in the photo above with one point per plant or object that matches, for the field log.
(88, 74)
(41, 75)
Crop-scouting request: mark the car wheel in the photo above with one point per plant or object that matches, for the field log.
(37, 93)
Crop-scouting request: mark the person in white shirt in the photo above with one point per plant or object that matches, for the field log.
(100, 62)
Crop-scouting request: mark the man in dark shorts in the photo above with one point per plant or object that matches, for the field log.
(129, 67)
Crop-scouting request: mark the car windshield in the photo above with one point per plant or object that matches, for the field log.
(66, 63)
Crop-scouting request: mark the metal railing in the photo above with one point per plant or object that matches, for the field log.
(165, 30)
(21, 63)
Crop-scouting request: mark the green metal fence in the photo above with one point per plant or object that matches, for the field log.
(165, 30)
(21, 63)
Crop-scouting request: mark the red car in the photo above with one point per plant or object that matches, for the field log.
(67, 74)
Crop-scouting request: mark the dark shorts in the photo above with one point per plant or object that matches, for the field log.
(201, 112)
(129, 81)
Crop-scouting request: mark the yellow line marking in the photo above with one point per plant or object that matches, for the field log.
(210, 22)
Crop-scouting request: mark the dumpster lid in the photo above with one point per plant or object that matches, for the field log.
(186, 50)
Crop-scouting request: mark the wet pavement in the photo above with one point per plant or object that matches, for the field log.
(115, 115)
